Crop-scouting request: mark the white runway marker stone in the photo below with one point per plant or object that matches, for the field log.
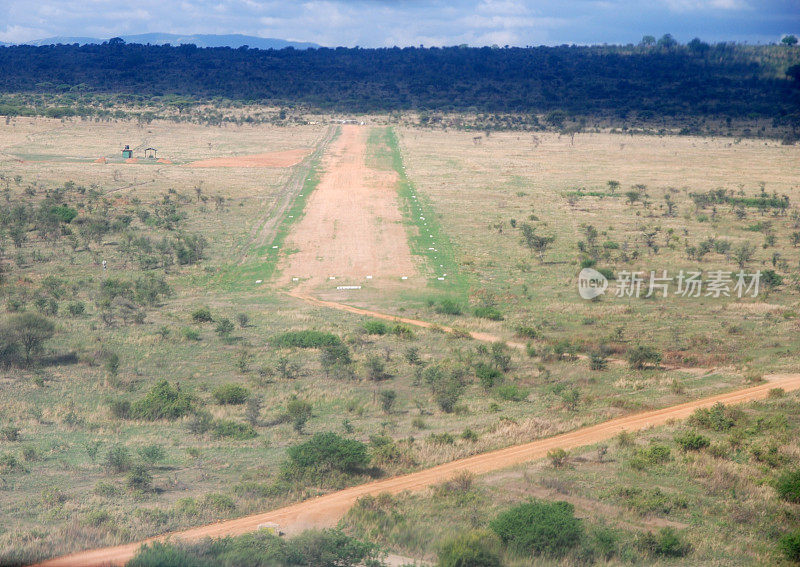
(369, 277)
(295, 279)
(332, 278)
(404, 278)
(259, 281)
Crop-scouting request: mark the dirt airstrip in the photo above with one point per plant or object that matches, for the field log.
(352, 227)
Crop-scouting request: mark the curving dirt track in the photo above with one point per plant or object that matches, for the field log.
(477, 335)
(325, 511)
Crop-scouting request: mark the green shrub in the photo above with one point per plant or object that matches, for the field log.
(299, 412)
(219, 502)
(231, 394)
(475, 548)
(374, 327)
(598, 361)
(402, 331)
(234, 430)
(152, 454)
(488, 312)
(643, 356)
(653, 455)
(306, 339)
(10, 433)
(527, 332)
(119, 459)
(388, 398)
(717, 418)
(511, 393)
(202, 315)
(224, 327)
(788, 486)
(667, 543)
(449, 307)
(328, 451)
(76, 308)
(139, 478)
(120, 408)
(692, 441)
(163, 401)
(190, 334)
(441, 439)
(790, 546)
(488, 375)
(539, 527)
(447, 385)
(64, 213)
(159, 554)
(469, 435)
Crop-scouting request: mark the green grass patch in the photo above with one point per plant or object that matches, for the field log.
(428, 240)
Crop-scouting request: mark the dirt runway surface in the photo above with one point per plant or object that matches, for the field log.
(352, 227)
(327, 510)
(286, 158)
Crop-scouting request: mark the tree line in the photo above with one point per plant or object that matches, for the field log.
(657, 78)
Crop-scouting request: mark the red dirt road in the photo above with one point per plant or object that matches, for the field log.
(325, 511)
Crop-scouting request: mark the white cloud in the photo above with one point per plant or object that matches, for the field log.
(696, 5)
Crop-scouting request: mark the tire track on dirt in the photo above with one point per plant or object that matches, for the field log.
(327, 510)
(266, 226)
(477, 335)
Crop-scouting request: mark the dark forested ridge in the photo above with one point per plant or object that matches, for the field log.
(722, 80)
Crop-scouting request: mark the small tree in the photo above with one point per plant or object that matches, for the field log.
(535, 242)
(743, 254)
(558, 457)
(119, 459)
(139, 478)
(613, 186)
(789, 40)
(30, 331)
(252, 412)
(388, 398)
(299, 411)
(224, 328)
(643, 356)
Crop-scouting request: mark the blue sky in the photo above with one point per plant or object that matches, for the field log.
(379, 23)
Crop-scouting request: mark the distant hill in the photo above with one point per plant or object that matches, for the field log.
(200, 40)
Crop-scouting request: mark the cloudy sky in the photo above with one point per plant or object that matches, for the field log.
(377, 23)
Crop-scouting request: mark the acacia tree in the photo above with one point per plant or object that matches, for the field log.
(743, 254)
(29, 331)
(536, 242)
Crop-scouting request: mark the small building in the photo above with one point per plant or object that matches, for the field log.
(127, 153)
(150, 153)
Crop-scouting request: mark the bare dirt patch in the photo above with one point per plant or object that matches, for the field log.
(352, 227)
(285, 158)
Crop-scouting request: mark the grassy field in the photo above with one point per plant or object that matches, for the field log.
(416, 397)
